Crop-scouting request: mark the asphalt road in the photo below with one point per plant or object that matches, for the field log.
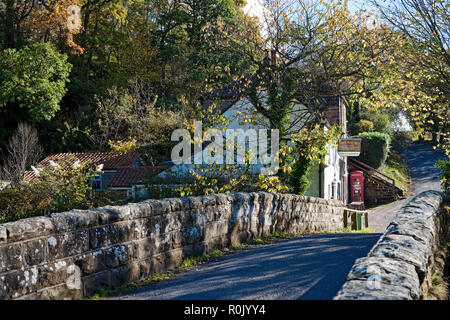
(305, 268)
(421, 159)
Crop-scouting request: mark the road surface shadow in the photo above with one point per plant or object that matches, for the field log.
(306, 268)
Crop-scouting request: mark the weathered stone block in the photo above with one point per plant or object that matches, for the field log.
(145, 267)
(28, 228)
(419, 227)
(117, 255)
(145, 248)
(104, 236)
(171, 223)
(158, 264)
(74, 220)
(58, 272)
(222, 199)
(377, 272)
(404, 248)
(208, 200)
(357, 290)
(159, 207)
(125, 274)
(68, 244)
(61, 292)
(3, 235)
(128, 231)
(188, 251)
(162, 242)
(91, 262)
(193, 234)
(35, 251)
(10, 257)
(177, 240)
(176, 204)
(152, 226)
(93, 283)
(173, 259)
(17, 283)
(109, 214)
(140, 210)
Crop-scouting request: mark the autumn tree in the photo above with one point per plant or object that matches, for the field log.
(424, 62)
(37, 20)
(321, 49)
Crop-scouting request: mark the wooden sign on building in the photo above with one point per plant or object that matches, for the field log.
(349, 147)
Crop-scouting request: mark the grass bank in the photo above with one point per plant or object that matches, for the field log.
(396, 168)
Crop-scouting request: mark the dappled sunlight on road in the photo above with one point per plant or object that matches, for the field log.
(310, 267)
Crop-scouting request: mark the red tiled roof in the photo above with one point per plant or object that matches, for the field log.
(128, 176)
(110, 160)
(29, 176)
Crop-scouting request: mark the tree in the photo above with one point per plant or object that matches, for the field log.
(200, 44)
(424, 60)
(24, 150)
(32, 84)
(129, 119)
(33, 78)
(321, 49)
(22, 21)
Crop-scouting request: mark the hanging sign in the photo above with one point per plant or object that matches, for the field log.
(349, 147)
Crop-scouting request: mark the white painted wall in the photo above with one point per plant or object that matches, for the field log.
(331, 170)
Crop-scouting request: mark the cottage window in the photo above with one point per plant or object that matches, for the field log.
(333, 190)
(97, 183)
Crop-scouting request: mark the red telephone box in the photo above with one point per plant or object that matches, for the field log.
(357, 186)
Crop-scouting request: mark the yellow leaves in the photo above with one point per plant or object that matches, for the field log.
(52, 19)
(123, 145)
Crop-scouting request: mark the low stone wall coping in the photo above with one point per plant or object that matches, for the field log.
(397, 266)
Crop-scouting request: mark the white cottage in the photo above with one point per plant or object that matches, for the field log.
(328, 181)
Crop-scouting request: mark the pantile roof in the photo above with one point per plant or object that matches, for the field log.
(131, 175)
(110, 160)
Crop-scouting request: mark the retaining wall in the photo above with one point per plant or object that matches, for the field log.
(73, 254)
(399, 266)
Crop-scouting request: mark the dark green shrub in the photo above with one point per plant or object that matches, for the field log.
(374, 148)
(297, 179)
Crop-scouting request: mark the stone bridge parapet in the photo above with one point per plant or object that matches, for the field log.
(400, 265)
(73, 254)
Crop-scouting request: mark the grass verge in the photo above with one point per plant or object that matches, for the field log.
(396, 168)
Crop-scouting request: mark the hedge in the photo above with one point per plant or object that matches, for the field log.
(374, 148)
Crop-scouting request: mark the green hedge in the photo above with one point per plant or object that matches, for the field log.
(374, 148)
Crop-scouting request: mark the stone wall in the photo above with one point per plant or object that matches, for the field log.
(377, 191)
(399, 266)
(73, 254)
